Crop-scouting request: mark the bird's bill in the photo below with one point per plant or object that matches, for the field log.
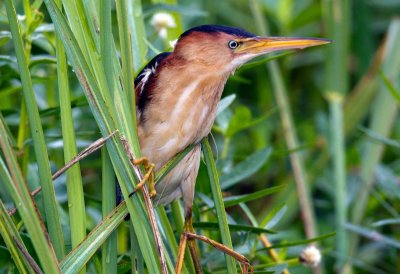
(261, 45)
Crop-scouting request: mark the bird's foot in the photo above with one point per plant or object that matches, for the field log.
(148, 176)
(148, 167)
(189, 236)
(244, 262)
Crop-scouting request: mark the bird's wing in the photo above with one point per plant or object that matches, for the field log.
(144, 77)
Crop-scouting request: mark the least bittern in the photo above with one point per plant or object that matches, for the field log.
(177, 95)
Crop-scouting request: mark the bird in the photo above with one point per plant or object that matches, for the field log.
(177, 95)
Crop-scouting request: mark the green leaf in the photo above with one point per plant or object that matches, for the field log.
(80, 255)
(382, 120)
(387, 180)
(36, 20)
(302, 242)
(246, 168)
(379, 137)
(387, 222)
(374, 235)
(240, 120)
(234, 200)
(17, 188)
(5, 37)
(277, 269)
(106, 119)
(10, 236)
(264, 60)
(219, 204)
(77, 216)
(42, 59)
(232, 227)
(52, 215)
(395, 93)
(225, 103)
(165, 169)
(274, 216)
(109, 248)
(137, 34)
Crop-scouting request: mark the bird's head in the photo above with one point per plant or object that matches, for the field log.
(225, 48)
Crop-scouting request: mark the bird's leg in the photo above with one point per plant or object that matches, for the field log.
(148, 176)
(244, 262)
(189, 236)
(193, 248)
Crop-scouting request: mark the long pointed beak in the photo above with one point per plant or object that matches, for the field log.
(262, 45)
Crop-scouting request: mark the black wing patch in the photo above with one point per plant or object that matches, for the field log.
(143, 79)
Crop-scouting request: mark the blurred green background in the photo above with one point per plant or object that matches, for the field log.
(322, 123)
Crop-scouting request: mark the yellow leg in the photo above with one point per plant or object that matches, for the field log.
(149, 168)
(189, 236)
(244, 262)
(148, 177)
(181, 253)
(193, 248)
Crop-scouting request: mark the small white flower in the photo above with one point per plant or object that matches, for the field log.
(161, 21)
(310, 256)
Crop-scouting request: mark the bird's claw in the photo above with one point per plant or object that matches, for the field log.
(148, 176)
(148, 166)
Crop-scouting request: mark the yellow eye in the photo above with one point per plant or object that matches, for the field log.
(233, 44)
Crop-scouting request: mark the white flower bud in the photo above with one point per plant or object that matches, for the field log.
(310, 256)
(161, 21)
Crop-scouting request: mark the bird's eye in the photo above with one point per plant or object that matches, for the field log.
(233, 44)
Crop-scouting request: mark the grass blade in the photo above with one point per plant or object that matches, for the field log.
(109, 249)
(79, 256)
(51, 209)
(137, 34)
(382, 119)
(219, 204)
(246, 168)
(390, 86)
(76, 205)
(106, 121)
(378, 138)
(125, 101)
(10, 236)
(235, 200)
(19, 192)
(302, 242)
(374, 235)
(163, 171)
(239, 228)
